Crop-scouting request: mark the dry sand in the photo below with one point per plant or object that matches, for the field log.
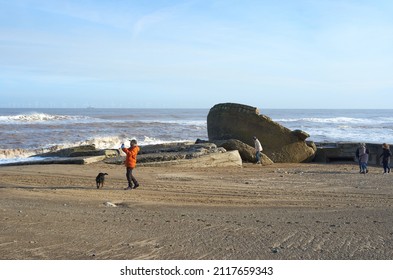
(283, 211)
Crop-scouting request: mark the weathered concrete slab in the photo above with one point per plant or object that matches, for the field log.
(81, 151)
(63, 160)
(246, 151)
(236, 121)
(345, 152)
(84, 154)
(226, 159)
(88, 160)
(170, 152)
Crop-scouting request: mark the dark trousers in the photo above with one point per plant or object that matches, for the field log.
(130, 178)
(386, 167)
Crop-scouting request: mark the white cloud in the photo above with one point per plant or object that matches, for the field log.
(148, 21)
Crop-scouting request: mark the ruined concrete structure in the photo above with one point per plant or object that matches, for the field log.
(345, 152)
(236, 121)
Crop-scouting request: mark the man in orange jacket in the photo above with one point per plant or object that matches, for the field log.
(130, 163)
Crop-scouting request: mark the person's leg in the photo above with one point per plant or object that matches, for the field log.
(133, 179)
(258, 157)
(364, 168)
(385, 167)
(129, 177)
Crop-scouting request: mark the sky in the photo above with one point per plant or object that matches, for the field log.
(196, 53)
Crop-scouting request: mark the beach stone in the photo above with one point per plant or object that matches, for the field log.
(236, 121)
(110, 204)
(275, 250)
(246, 152)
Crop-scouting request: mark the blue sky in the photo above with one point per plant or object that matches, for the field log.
(196, 53)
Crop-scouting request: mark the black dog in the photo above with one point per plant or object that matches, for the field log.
(100, 179)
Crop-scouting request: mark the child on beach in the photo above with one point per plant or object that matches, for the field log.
(361, 147)
(386, 154)
(363, 159)
(130, 163)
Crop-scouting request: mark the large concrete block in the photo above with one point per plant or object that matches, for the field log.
(242, 122)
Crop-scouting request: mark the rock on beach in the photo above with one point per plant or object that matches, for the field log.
(236, 121)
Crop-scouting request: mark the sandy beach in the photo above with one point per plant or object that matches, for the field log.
(282, 211)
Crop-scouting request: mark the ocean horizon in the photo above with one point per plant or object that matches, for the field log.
(29, 131)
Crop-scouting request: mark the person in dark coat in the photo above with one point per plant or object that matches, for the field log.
(386, 154)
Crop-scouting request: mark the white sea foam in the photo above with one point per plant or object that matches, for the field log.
(115, 142)
(337, 120)
(20, 159)
(109, 142)
(16, 153)
(39, 118)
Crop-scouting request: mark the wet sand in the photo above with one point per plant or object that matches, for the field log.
(282, 211)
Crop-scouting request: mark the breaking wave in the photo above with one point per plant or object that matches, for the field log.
(337, 120)
(100, 143)
(40, 118)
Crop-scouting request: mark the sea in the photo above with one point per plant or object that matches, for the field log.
(28, 132)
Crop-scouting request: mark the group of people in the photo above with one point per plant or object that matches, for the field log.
(362, 154)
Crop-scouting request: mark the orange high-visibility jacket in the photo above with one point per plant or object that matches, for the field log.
(131, 156)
